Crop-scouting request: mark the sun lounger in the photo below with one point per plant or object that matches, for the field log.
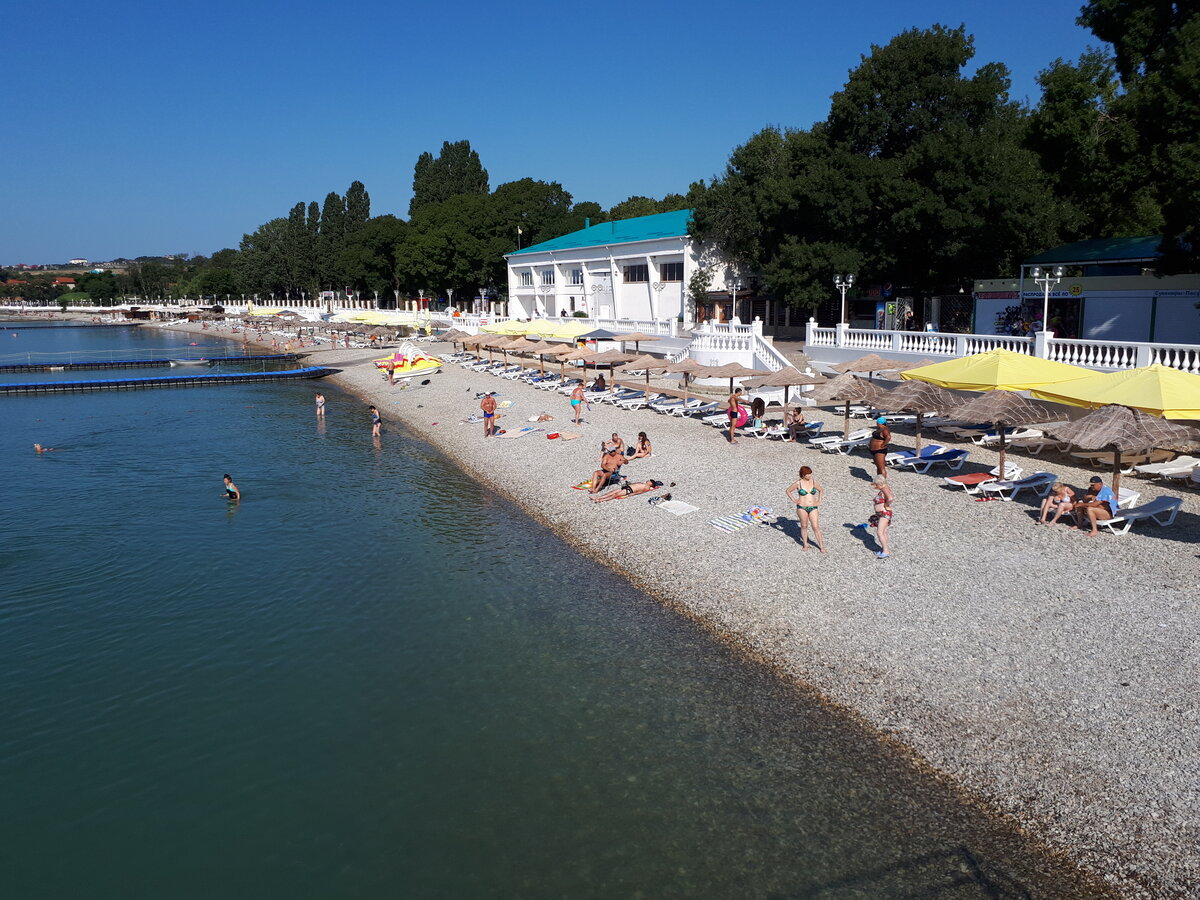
(954, 459)
(993, 437)
(1183, 464)
(699, 412)
(844, 447)
(856, 435)
(1161, 511)
(1128, 460)
(896, 457)
(1039, 482)
(1191, 475)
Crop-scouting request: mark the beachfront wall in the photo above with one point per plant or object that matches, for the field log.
(829, 346)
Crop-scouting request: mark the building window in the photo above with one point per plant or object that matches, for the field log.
(526, 279)
(548, 276)
(637, 274)
(577, 276)
(672, 271)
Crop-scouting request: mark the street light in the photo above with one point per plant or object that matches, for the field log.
(1047, 280)
(843, 283)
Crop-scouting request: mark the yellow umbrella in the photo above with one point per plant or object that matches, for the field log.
(997, 369)
(1158, 390)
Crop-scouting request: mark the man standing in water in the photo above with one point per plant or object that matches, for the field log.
(231, 489)
(488, 405)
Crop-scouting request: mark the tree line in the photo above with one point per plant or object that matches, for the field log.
(926, 178)
(920, 175)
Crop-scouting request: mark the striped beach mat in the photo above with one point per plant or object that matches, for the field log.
(755, 515)
(521, 432)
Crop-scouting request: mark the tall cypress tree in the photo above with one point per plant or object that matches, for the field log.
(331, 238)
(358, 207)
(457, 170)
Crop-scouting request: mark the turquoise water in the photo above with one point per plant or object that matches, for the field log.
(372, 678)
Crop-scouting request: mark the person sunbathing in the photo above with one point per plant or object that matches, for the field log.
(609, 471)
(628, 489)
(643, 448)
(1057, 502)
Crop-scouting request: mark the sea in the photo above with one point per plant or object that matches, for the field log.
(373, 678)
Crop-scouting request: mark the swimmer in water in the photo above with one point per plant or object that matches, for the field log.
(231, 490)
(38, 448)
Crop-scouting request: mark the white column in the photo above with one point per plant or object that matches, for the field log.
(651, 277)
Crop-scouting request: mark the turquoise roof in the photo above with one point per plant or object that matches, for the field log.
(1100, 250)
(622, 231)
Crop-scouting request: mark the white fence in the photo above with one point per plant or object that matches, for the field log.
(1090, 354)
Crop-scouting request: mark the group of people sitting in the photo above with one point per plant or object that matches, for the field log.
(1099, 504)
(614, 453)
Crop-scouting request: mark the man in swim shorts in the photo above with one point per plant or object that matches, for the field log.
(488, 405)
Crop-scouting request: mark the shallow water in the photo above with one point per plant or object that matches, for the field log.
(373, 678)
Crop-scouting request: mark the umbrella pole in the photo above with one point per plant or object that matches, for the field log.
(1116, 479)
(1003, 470)
(846, 422)
(917, 448)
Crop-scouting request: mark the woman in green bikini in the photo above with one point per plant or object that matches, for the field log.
(806, 492)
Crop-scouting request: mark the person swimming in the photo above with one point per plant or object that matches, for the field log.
(231, 489)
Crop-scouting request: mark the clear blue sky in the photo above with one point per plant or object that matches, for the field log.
(146, 128)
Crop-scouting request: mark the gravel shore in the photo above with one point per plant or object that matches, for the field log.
(1050, 674)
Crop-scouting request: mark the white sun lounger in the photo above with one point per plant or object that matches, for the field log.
(954, 459)
(856, 435)
(845, 446)
(1161, 511)
(1039, 482)
(1183, 464)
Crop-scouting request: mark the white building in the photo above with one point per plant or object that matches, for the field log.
(629, 269)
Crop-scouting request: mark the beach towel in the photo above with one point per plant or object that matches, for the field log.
(677, 507)
(568, 435)
(504, 404)
(521, 432)
(582, 486)
(755, 515)
(472, 420)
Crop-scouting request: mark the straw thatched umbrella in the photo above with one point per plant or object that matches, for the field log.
(1119, 429)
(647, 362)
(637, 337)
(787, 377)
(842, 389)
(916, 397)
(872, 363)
(731, 371)
(572, 354)
(1002, 409)
(609, 358)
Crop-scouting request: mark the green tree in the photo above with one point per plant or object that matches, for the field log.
(456, 170)
(98, 285)
(331, 234)
(633, 207)
(1157, 48)
(369, 257)
(358, 207)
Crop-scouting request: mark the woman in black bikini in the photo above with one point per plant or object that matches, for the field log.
(628, 489)
(806, 493)
(880, 438)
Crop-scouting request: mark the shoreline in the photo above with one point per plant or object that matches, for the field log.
(986, 648)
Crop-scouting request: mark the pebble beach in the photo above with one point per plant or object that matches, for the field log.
(1050, 675)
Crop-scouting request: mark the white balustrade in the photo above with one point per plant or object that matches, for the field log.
(1092, 354)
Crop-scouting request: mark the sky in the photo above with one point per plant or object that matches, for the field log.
(140, 128)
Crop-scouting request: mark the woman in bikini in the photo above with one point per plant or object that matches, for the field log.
(1057, 502)
(806, 492)
(882, 519)
(880, 438)
(376, 422)
(628, 489)
(642, 450)
(577, 401)
(794, 420)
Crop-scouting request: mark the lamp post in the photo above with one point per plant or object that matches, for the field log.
(658, 289)
(843, 283)
(1047, 280)
(734, 287)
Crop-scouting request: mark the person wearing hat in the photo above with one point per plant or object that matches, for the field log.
(1098, 505)
(880, 438)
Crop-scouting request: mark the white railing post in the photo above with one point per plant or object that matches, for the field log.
(808, 330)
(1041, 344)
(839, 334)
(960, 345)
(1144, 352)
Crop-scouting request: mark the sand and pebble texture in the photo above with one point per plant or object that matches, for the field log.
(1051, 674)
